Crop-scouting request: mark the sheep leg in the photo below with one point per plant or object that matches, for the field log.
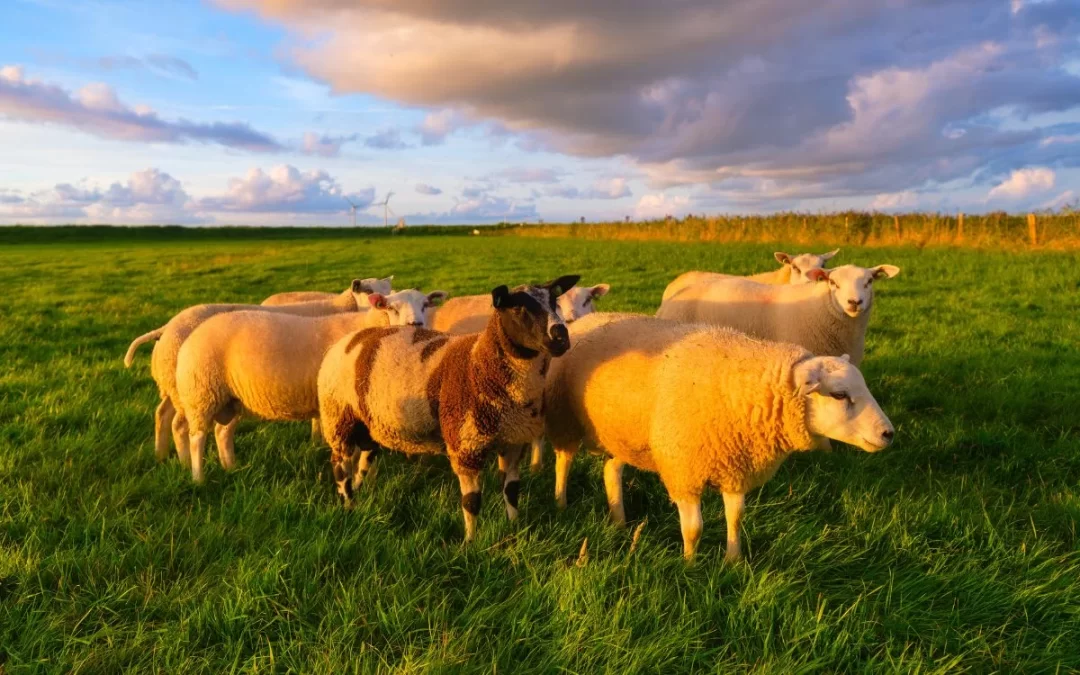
(733, 509)
(365, 468)
(180, 438)
(341, 461)
(563, 459)
(225, 435)
(536, 462)
(469, 479)
(163, 418)
(613, 469)
(508, 466)
(198, 442)
(690, 519)
(316, 430)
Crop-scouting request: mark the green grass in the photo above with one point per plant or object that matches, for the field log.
(954, 550)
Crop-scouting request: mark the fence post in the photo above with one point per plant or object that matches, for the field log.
(960, 226)
(1033, 233)
(896, 225)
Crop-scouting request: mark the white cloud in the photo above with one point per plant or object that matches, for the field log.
(894, 201)
(424, 189)
(286, 189)
(1023, 183)
(659, 205)
(1066, 198)
(148, 196)
(323, 145)
(612, 188)
(440, 124)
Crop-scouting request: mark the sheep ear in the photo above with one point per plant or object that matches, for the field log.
(500, 297)
(845, 357)
(600, 289)
(358, 286)
(782, 258)
(807, 379)
(886, 271)
(377, 300)
(830, 255)
(384, 285)
(817, 275)
(437, 296)
(562, 284)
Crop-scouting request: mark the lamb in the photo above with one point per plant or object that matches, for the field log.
(793, 270)
(828, 319)
(172, 335)
(470, 313)
(356, 290)
(421, 391)
(268, 364)
(701, 406)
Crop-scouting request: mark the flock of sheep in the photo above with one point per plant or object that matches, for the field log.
(731, 376)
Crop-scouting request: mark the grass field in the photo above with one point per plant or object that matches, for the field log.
(954, 550)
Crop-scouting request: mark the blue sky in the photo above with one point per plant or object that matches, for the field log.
(272, 112)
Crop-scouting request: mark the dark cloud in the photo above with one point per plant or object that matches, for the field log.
(425, 189)
(159, 63)
(386, 139)
(758, 98)
(95, 109)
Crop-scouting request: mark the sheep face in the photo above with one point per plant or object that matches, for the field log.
(852, 287)
(839, 405)
(578, 301)
(405, 308)
(803, 263)
(530, 317)
(361, 288)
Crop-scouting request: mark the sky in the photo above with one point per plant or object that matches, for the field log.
(283, 112)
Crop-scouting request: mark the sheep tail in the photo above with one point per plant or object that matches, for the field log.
(152, 335)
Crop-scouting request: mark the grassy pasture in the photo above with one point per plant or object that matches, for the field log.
(954, 550)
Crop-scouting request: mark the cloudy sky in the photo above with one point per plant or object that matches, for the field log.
(277, 111)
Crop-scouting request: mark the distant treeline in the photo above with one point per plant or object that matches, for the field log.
(1060, 230)
(992, 230)
(59, 234)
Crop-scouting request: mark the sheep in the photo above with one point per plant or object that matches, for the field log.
(470, 313)
(701, 406)
(828, 319)
(172, 335)
(793, 270)
(268, 364)
(356, 290)
(421, 391)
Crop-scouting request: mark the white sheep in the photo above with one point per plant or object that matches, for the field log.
(355, 290)
(470, 313)
(829, 319)
(268, 364)
(793, 270)
(467, 396)
(701, 406)
(172, 335)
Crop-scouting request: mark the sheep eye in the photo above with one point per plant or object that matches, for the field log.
(840, 395)
(797, 271)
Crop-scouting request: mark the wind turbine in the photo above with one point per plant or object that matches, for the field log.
(386, 209)
(353, 209)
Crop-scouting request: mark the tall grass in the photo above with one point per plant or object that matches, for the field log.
(1053, 231)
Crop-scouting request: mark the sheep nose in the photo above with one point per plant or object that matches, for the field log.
(888, 435)
(854, 303)
(415, 323)
(559, 333)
